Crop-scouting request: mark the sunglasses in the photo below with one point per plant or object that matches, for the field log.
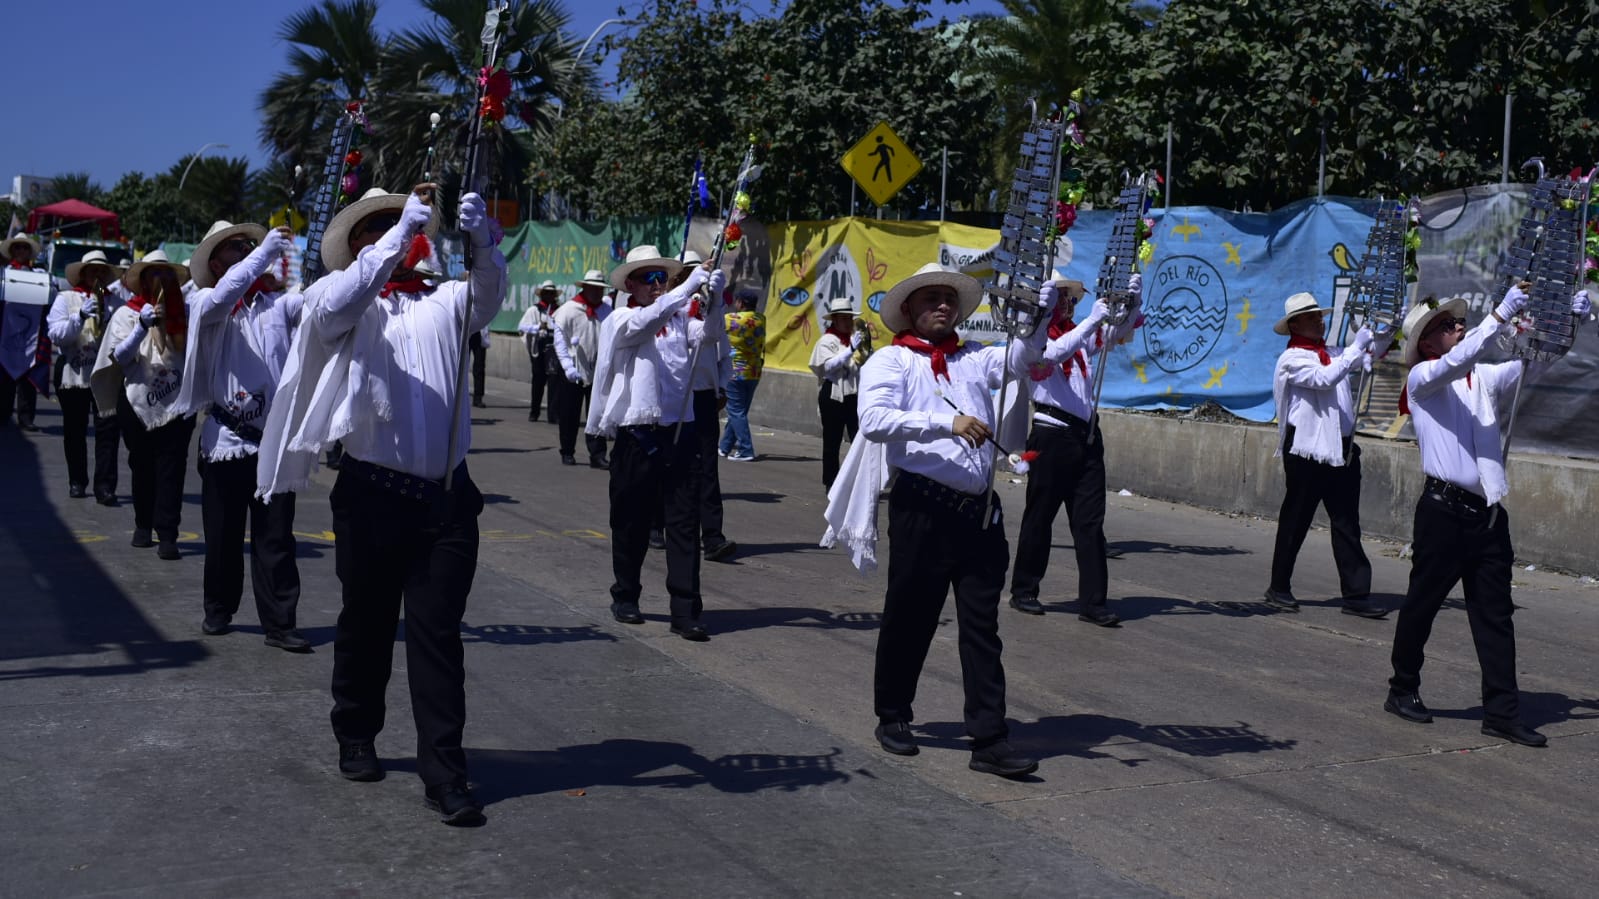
(1447, 324)
(242, 244)
(652, 277)
(379, 223)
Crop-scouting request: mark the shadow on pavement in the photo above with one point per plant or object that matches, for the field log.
(746, 550)
(722, 621)
(1079, 735)
(754, 497)
(530, 634)
(1147, 546)
(57, 603)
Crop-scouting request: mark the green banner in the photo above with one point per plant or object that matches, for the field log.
(563, 251)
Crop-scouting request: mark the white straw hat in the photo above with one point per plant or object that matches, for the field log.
(641, 257)
(969, 291)
(220, 233)
(1298, 304)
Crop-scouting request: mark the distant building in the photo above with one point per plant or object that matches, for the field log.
(28, 190)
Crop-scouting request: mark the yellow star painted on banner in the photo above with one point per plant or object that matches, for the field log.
(1138, 368)
(1185, 229)
(1216, 375)
(1245, 317)
(1170, 394)
(1232, 254)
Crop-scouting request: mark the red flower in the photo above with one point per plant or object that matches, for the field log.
(352, 158)
(492, 108)
(733, 233)
(353, 107)
(496, 84)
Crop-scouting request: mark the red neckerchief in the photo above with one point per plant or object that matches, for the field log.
(588, 308)
(938, 351)
(410, 285)
(1404, 392)
(694, 310)
(1318, 344)
(842, 337)
(1066, 326)
(20, 265)
(258, 286)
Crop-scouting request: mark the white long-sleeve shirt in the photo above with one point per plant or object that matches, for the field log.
(642, 377)
(901, 406)
(1048, 378)
(1315, 400)
(1452, 407)
(66, 329)
(833, 363)
(577, 339)
(711, 368)
(412, 344)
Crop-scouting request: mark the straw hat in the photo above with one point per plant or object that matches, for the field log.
(930, 275)
(336, 254)
(5, 246)
(691, 258)
(642, 257)
(548, 285)
(220, 233)
(130, 278)
(840, 306)
(1420, 316)
(89, 260)
(594, 278)
(1298, 304)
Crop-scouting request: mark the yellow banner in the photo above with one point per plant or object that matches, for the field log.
(860, 259)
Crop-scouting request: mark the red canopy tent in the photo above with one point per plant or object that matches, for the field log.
(68, 213)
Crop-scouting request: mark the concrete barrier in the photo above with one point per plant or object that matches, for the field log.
(1230, 467)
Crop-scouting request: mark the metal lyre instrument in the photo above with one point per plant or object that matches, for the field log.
(326, 202)
(1379, 291)
(1548, 253)
(1116, 273)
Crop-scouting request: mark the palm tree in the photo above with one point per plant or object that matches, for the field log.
(334, 58)
(73, 186)
(434, 69)
(216, 188)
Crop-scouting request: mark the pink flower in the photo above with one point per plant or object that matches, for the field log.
(496, 84)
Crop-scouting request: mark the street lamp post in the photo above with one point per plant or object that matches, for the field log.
(196, 158)
(561, 110)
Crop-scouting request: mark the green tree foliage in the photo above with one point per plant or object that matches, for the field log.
(150, 209)
(73, 186)
(335, 54)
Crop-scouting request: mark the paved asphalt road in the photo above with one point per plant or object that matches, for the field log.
(1208, 747)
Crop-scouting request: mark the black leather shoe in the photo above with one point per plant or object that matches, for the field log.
(141, 538)
(600, 462)
(1002, 760)
(1028, 604)
(694, 632)
(896, 737)
(479, 404)
(533, 417)
(77, 491)
(215, 627)
(1099, 615)
(1515, 732)
(1408, 706)
(290, 640)
(168, 550)
(359, 761)
(657, 539)
(28, 426)
(626, 612)
(456, 803)
(1282, 602)
(108, 499)
(568, 459)
(720, 551)
(1364, 609)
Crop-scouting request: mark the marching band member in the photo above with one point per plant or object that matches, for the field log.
(937, 538)
(25, 351)
(240, 325)
(138, 372)
(77, 318)
(1069, 468)
(711, 371)
(537, 328)
(836, 363)
(1321, 461)
(641, 381)
(1461, 533)
(377, 363)
(577, 340)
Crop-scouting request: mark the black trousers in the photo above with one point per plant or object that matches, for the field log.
(18, 393)
(1336, 488)
(570, 399)
(650, 471)
(708, 428)
(77, 406)
(838, 416)
(389, 551)
(1456, 545)
(158, 460)
(544, 387)
(107, 437)
(227, 501)
(1070, 471)
(480, 356)
(931, 549)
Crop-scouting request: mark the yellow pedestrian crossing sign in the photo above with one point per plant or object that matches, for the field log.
(881, 164)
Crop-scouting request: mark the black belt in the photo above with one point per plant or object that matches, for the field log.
(967, 505)
(410, 486)
(1069, 421)
(1457, 499)
(233, 423)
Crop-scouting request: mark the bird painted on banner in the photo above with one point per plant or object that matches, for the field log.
(1340, 258)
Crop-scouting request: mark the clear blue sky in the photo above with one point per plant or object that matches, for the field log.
(146, 83)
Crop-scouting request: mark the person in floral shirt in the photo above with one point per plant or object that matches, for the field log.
(746, 333)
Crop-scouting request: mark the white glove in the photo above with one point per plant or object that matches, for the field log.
(696, 280)
(148, 316)
(717, 283)
(416, 215)
(1099, 313)
(1048, 296)
(90, 308)
(474, 218)
(1135, 289)
(573, 376)
(277, 242)
(856, 339)
(1580, 305)
(1364, 339)
(1515, 299)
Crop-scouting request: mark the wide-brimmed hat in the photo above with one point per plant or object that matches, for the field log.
(130, 278)
(1420, 316)
(5, 246)
(336, 253)
(840, 306)
(932, 274)
(641, 257)
(90, 259)
(691, 258)
(594, 278)
(1298, 304)
(220, 233)
(547, 285)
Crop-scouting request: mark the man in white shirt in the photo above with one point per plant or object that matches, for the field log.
(240, 327)
(712, 368)
(642, 383)
(1069, 468)
(577, 342)
(377, 363)
(537, 328)
(76, 323)
(926, 398)
(1321, 461)
(1461, 533)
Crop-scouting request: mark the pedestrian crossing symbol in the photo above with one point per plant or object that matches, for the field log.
(881, 163)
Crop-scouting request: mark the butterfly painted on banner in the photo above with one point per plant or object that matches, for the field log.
(874, 270)
(801, 264)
